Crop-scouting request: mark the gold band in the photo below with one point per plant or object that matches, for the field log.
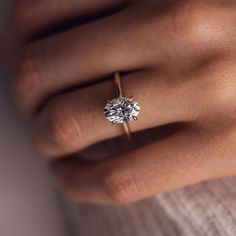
(119, 92)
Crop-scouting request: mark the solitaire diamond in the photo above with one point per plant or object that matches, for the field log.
(121, 110)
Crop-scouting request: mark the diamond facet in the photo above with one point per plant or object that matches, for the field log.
(121, 110)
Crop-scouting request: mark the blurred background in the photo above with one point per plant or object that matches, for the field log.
(30, 204)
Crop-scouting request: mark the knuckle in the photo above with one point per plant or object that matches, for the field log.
(22, 14)
(221, 85)
(194, 20)
(63, 127)
(27, 75)
(120, 186)
(224, 96)
(218, 95)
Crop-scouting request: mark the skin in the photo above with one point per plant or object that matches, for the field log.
(178, 60)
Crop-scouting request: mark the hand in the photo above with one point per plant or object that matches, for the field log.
(178, 59)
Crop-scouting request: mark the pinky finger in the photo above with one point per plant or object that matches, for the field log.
(174, 162)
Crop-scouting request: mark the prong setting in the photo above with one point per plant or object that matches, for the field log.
(121, 110)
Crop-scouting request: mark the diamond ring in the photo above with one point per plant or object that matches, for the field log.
(121, 110)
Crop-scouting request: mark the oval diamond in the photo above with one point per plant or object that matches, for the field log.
(121, 110)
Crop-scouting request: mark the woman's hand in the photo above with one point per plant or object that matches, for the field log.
(179, 62)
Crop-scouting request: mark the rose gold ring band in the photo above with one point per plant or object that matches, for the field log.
(119, 92)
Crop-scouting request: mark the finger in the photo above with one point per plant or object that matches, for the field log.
(33, 16)
(82, 55)
(174, 162)
(74, 121)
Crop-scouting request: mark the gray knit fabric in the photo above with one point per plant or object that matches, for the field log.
(206, 209)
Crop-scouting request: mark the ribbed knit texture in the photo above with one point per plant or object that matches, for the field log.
(206, 209)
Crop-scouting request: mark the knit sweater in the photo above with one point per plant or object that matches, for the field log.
(206, 209)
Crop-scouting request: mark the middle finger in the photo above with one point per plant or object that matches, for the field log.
(86, 53)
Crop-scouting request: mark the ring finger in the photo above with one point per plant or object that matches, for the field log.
(75, 120)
